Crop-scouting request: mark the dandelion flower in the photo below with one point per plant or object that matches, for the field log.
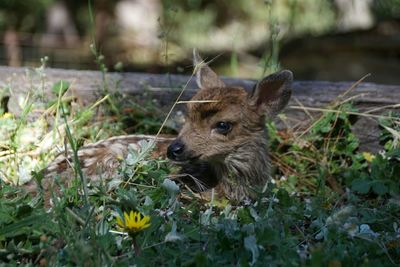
(368, 156)
(134, 222)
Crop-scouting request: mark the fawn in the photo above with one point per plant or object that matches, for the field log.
(223, 142)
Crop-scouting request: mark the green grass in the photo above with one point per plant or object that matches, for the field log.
(328, 204)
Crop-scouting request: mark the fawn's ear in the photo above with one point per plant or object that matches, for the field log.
(205, 76)
(272, 93)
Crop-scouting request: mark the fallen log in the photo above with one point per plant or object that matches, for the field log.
(309, 97)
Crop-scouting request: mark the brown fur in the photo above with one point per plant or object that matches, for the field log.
(100, 160)
(240, 158)
(235, 162)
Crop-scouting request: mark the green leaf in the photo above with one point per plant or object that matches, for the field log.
(170, 186)
(284, 198)
(326, 129)
(361, 186)
(394, 153)
(245, 216)
(30, 221)
(250, 243)
(379, 188)
(173, 236)
(60, 86)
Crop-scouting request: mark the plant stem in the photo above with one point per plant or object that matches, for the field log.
(136, 247)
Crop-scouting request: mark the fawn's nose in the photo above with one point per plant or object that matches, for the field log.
(175, 150)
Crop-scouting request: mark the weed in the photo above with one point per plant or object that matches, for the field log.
(328, 204)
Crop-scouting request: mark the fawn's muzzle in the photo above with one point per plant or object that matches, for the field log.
(175, 150)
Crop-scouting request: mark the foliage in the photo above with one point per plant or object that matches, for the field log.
(29, 140)
(328, 205)
(24, 15)
(189, 24)
(385, 9)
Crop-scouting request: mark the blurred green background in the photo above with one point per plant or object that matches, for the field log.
(333, 40)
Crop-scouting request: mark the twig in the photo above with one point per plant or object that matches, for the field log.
(173, 106)
(305, 110)
(341, 111)
(383, 107)
(76, 217)
(353, 86)
(197, 101)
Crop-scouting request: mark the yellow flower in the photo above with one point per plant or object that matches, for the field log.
(134, 222)
(6, 116)
(368, 156)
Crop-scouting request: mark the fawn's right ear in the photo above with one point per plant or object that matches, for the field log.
(205, 76)
(272, 93)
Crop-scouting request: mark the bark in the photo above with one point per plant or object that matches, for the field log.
(164, 88)
(12, 47)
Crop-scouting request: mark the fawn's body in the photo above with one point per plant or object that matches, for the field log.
(223, 142)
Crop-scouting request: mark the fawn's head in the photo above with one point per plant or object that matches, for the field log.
(220, 119)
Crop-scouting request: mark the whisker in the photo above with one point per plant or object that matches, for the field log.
(200, 185)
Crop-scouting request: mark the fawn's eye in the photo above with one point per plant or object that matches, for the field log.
(223, 127)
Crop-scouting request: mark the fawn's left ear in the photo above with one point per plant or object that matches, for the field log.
(205, 76)
(271, 94)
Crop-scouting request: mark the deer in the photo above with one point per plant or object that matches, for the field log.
(223, 143)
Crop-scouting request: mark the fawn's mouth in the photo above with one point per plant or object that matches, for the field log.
(185, 160)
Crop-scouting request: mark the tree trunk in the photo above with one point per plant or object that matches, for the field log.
(308, 97)
(12, 46)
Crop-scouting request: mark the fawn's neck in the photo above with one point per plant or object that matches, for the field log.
(246, 168)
